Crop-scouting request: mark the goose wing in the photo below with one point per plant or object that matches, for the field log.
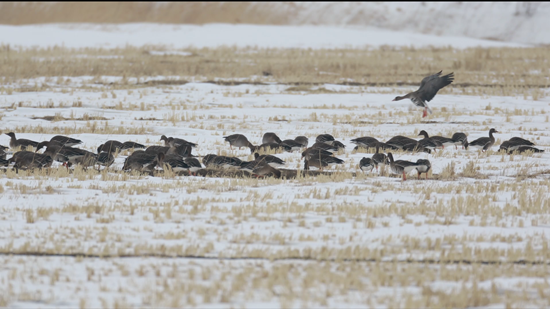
(430, 85)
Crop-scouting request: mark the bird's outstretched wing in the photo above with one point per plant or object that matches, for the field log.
(430, 85)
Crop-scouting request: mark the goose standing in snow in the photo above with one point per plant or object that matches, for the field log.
(293, 144)
(302, 140)
(266, 170)
(365, 141)
(30, 160)
(321, 161)
(423, 166)
(238, 140)
(428, 89)
(401, 166)
(514, 143)
(23, 143)
(484, 143)
(440, 140)
(270, 137)
(379, 158)
(400, 141)
(65, 140)
(3, 152)
(325, 138)
(176, 141)
(460, 138)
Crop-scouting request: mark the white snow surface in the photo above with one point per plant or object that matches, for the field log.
(164, 215)
(211, 223)
(214, 35)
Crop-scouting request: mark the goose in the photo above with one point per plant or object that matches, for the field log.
(521, 140)
(194, 164)
(265, 170)
(65, 154)
(269, 159)
(366, 164)
(157, 149)
(23, 143)
(381, 145)
(399, 141)
(110, 146)
(270, 137)
(515, 143)
(321, 162)
(429, 143)
(3, 152)
(302, 140)
(522, 149)
(339, 145)
(325, 138)
(249, 166)
(223, 162)
(324, 146)
(315, 152)
(65, 140)
(429, 87)
(89, 159)
(365, 141)
(30, 160)
(440, 140)
(177, 141)
(270, 147)
(105, 159)
(207, 159)
(183, 150)
(423, 166)
(140, 161)
(415, 147)
(293, 144)
(460, 138)
(401, 166)
(379, 158)
(176, 163)
(484, 143)
(132, 145)
(238, 140)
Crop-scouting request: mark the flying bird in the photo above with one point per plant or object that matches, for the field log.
(428, 89)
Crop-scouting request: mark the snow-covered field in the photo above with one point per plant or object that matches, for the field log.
(475, 234)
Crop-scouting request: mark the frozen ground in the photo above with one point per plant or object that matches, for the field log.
(474, 235)
(498, 213)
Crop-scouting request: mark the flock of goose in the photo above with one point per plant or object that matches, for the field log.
(177, 155)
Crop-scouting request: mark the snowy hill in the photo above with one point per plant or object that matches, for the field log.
(522, 22)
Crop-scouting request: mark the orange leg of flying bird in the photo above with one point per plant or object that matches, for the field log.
(404, 177)
(425, 113)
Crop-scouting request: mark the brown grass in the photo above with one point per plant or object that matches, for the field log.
(505, 71)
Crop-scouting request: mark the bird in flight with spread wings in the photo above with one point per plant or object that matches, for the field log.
(429, 87)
